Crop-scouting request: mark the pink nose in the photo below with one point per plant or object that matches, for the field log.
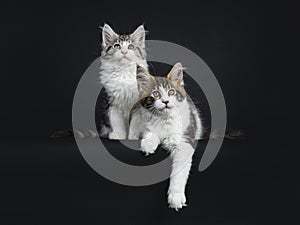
(124, 53)
(166, 102)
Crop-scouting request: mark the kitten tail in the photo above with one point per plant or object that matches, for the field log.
(229, 134)
(75, 133)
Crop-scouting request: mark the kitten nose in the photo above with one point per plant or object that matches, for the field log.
(124, 53)
(166, 102)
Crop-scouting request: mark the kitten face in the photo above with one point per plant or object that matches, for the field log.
(123, 49)
(161, 94)
(165, 94)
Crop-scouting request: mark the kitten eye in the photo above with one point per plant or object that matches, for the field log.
(171, 92)
(117, 46)
(156, 94)
(130, 46)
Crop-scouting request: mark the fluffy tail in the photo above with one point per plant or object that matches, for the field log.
(229, 134)
(75, 133)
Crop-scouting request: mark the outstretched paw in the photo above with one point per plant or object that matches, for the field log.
(176, 200)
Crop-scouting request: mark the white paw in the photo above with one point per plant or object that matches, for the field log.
(176, 200)
(148, 146)
(133, 136)
(116, 136)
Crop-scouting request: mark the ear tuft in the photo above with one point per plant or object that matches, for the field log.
(141, 73)
(176, 74)
(140, 70)
(139, 35)
(143, 78)
(108, 35)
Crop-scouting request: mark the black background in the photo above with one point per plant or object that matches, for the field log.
(46, 48)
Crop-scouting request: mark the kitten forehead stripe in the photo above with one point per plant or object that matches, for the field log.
(124, 37)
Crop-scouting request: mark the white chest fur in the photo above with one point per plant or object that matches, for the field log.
(172, 125)
(121, 86)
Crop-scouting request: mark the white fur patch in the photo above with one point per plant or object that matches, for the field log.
(121, 86)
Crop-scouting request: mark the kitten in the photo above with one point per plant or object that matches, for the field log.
(119, 57)
(169, 117)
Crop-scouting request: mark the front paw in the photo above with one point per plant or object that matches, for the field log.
(116, 136)
(148, 146)
(133, 136)
(176, 200)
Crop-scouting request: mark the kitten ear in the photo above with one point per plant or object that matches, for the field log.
(108, 35)
(142, 74)
(176, 74)
(138, 36)
(143, 77)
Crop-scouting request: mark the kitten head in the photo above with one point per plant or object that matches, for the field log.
(123, 49)
(161, 93)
